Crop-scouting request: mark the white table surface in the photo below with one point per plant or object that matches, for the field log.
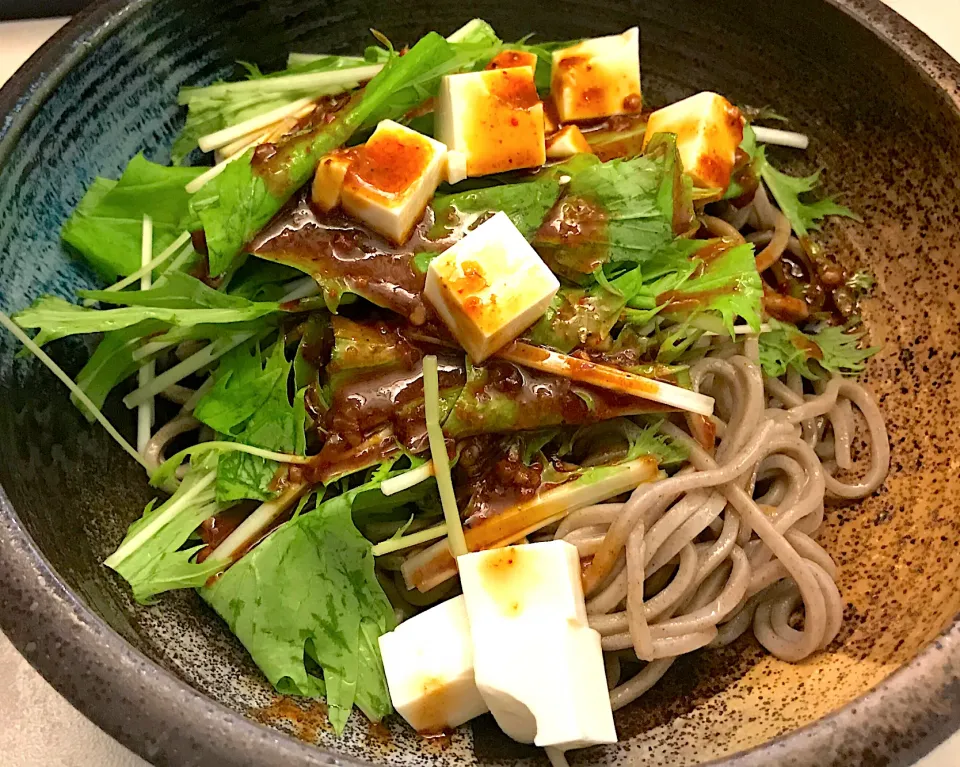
(39, 728)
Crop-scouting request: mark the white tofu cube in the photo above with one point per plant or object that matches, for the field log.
(537, 663)
(709, 129)
(598, 77)
(328, 180)
(529, 582)
(392, 179)
(567, 142)
(490, 286)
(494, 117)
(456, 167)
(428, 661)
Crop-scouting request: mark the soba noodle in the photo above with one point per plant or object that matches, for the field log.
(727, 543)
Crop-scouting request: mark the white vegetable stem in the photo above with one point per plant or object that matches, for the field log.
(159, 520)
(432, 566)
(272, 133)
(781, 137)
(406, 541)
(332, 81)
(147, 268)
(200, 181)
(254, 526)
(241, 144)
(299, 59)
(179, 261)
(190, 405)
(297, 289)
(303, 288)
(77, 392)
(229, 134)
(408, 479)
(441, 461)
(180, 371)
(145, 410)
(606, 377)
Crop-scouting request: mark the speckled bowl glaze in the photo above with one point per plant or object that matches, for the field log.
(883, 106)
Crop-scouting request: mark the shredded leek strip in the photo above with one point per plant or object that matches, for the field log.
(148, 267)
(413, 539)
(231, 133)
(253, 527)
(228, 151)
(333, 81)
(408, 479)
(302, 288)
(779, 137)
(151, 348)
(178, 261)
(441, 462)
(190, 405)
(606, 377)
(146, 373)
(200, 181)
(77, 392)
(180, 371)
(190, 495)
(299, 59)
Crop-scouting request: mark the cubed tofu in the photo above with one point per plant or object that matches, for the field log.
(494, 117)
(456, 167)
(709, 129)
(532, 582)
(328, 179)
(392, 179)
(510, 59)
(567, 142)
(598, 77)
(490, 286)
(537, 663)
(428, 661)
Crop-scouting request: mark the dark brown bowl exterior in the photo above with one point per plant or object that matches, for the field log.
(883, 106)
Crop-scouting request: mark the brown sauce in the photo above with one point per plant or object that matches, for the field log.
(338, 457)
(271, 162)
(491, 476)
(308, 719)
(681, 302)
(368, 403)
(508, 59)
(340, 251)
(388, 166)
(573, 237)
(216, 529)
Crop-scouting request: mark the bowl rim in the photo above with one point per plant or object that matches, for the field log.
(167, 721)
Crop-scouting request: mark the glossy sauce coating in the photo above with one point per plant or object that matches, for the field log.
(347, 256)
(508, 59)
(506, 131)
(586, 86)
(387, 166)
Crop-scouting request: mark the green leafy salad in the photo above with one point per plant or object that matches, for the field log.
(323, 432)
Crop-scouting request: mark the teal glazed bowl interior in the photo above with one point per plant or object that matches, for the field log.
(882, 105)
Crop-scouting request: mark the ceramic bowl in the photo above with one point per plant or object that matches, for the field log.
(882, 104)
